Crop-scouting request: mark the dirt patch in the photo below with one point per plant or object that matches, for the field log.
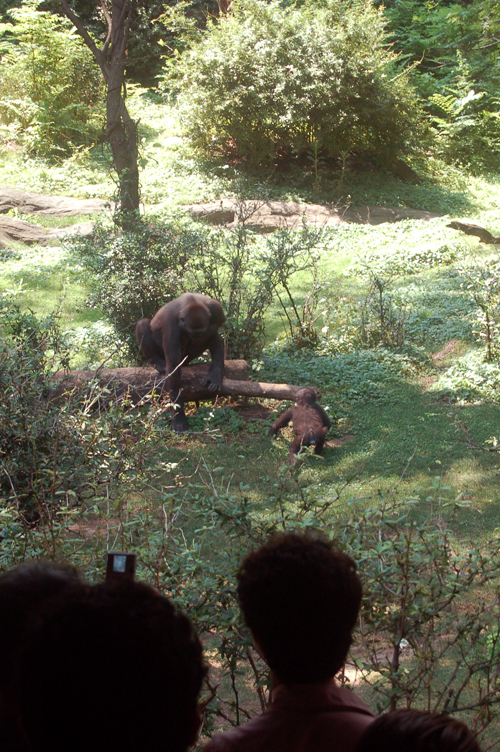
(253, 412)
(338, 442)
(446, 351)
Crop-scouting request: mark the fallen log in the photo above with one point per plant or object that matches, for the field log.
(138, 384)
(470, 229)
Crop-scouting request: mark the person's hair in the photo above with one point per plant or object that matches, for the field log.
(300, 598)
(24, 591)
(113, 668)
(417, 731)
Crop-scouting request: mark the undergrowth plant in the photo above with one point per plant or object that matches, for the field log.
(421, 642)
(482, 283)
(57, 448)
(131, 273)
(50, 94)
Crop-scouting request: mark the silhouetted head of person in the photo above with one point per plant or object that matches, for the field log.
(116, 668)
(24, 592)
(416, 731)
(300, 598)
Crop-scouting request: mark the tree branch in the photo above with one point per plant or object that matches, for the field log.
(128, 22)
(109, 23)
(78, 24)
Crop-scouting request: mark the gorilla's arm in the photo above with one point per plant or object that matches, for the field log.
(213, 380)
(324, 417)
(282, 421)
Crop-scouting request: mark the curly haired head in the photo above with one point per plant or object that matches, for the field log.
(300, 598)
(24, 590)
(416, 731)
(114, 667)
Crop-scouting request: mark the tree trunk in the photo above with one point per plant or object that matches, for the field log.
(121, 129)
(139, 383)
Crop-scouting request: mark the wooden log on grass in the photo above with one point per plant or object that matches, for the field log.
(470, 229)
(138, 384)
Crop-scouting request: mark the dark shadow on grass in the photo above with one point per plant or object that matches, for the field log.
(294, 179)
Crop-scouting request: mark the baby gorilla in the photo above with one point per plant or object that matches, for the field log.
(310, 422)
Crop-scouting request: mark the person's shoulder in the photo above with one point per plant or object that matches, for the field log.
(247, 736)
(347, 698)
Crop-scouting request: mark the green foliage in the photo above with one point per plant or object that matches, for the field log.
(483, 285)
(243, 271)
(224, 418)
(470, 378)
(132, 273)
(455, 50)
(467, 128)
(269, 80)
(95, 344)
(352, 377)
(32, 431)
(414, 583)
(50, 91)
(135, 272)
(438, 34)
(54, 453)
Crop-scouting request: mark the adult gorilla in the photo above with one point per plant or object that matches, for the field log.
(179, 332)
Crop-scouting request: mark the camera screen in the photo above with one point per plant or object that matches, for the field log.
(119, 564)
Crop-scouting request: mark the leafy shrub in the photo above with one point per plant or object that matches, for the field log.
(467, 128)
(482, 283)
(435, 655)
(417, 586)
(50, 89)
(30, 430)
(95, 344)
(471, 377)
(269, 80)
(136, 271)
(55, 453)
(132, 273)
(453, 49)
(244, 270)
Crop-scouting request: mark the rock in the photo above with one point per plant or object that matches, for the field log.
(17, 230)
(268, 216)
(261, 216)
(39, 203)
(82, 228)
(214, 214)
(13, 230)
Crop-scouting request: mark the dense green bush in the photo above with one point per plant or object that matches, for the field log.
(56, 453)
(132, 273)
(269, 80)
(50, 89)
(454, 49)
(30, 429)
